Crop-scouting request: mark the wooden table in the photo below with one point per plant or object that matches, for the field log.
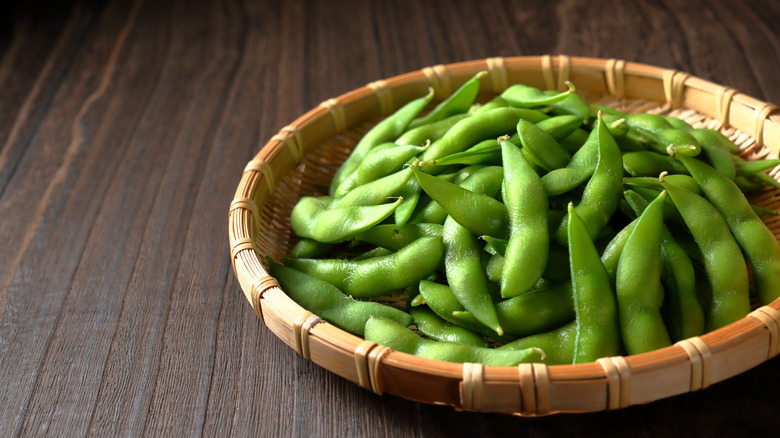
(124, 127)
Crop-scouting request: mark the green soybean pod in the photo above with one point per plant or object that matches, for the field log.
(611, 255)
(604, 189)
(573, 104)
(478, 127)
(684, 314)
(433, 326)
(496, 102)
(756, 240)
(526, 96)
(681, 180)
(379, 275)
(484, 152)
(442, 301)
(749, 167)
(579, 169)
(494, 267)
(391, 334)
(678, 123)
(638, 284)
(309, 248)
(533, 312)
(375, 192)
(560, 127)
(526, 204)
(540, 147)
(466, 275)
(370, 254)
(432, 212)
(331, 304)
(557, 344)
(723, 260)
(594, 299)
(377, 165)
(316, 219)
(479, 213)
(430, 132)
(680, 141)
(394, 237)
(387, 130)
(458, 102)
(649, 163)
(715, 151)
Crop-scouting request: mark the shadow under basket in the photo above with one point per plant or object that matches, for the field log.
(301, 159)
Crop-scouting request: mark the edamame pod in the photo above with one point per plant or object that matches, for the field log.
(533, 312)
(755, 239)
(479, 213)
(459, 102)
(594, 299)
(602, 193)
(465, 274)
(557, 344)
(314, 218)
(433, 326)
(525, 96)
(391, 334)
(378, 165)
(387, 130)
(394, 237)
(478, 127)
(379, 275)
(526, 204)
(430, 132)
(331, 304)
(638, 284)
(723, 260)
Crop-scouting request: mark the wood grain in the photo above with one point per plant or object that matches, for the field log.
(124, 127)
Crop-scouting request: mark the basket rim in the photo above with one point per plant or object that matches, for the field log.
(374, 366)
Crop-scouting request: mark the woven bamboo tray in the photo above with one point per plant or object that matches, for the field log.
(303, 156)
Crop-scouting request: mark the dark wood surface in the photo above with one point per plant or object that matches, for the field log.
(124, 127)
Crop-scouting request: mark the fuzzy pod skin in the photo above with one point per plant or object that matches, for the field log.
(479, 213)
(526, 202)
(393, 237)
(557, 344)
(459, 102)
(684, 314)
(723, 260)
(603, 191)
(316, 219)
(378, 275)
(466, 275)
(482, 126)
(579, 169)
(391, 334)
(649, 163)
(430, 132)
(377, 165)
(756, 240)
(638, 284)
(540, 147)
(385, 131)
(714, 150)
(331, 304)
(526, 96)
(533, 312)
(594, 299)
(432, 325)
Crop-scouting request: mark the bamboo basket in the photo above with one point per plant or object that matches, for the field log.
(303, 156)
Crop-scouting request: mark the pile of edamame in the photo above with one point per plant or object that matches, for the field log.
(533, 228)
